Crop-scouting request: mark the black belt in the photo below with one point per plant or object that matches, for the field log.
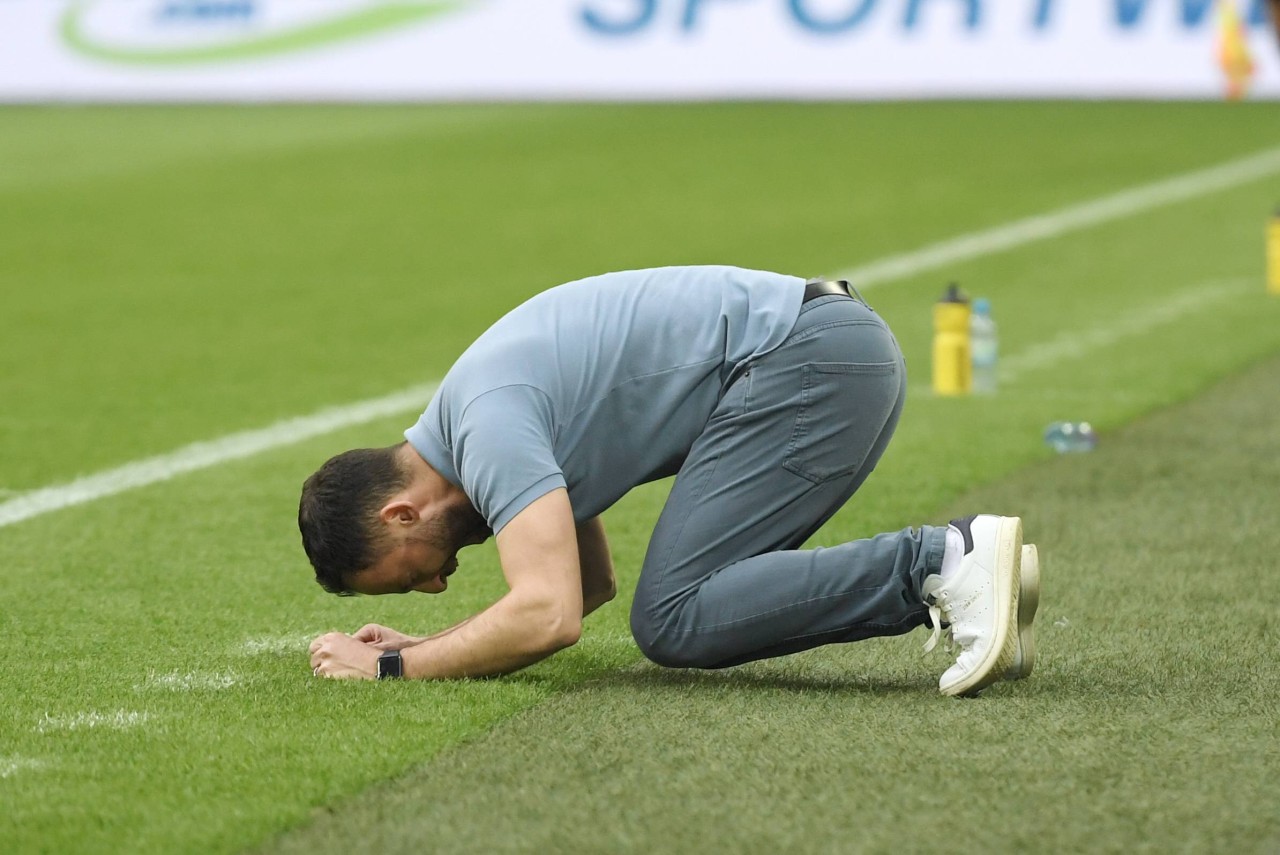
(815, 288)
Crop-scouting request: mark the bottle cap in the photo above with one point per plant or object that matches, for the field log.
(954, 295)
(982, 306)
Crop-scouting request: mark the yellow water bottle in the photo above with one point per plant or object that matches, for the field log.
(952, 358)
(1273, 254)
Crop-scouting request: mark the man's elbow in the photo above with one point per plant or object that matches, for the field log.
(561, 632)
(605, 592)
(555, 630)
(567, 633)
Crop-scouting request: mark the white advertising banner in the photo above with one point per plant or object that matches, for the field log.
(267, 50)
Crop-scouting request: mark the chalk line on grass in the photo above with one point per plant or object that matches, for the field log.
(236, 446)
(10, 766)
(119, 720)
(202, 455)
(279, 644)
(191, 681)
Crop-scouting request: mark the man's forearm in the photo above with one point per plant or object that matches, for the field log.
(506, 637)
(441, 633)
(598, 583)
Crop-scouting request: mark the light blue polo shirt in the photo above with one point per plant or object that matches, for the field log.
(598, 385)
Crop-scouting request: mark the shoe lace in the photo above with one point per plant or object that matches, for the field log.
(940, 612)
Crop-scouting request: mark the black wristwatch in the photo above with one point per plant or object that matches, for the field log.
(390, 665)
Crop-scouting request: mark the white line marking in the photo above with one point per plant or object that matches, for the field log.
(1069, 219)
(202, 455)
(120, 720)
(10, 766)
(1075, 344)
(280, 644)
(195, 680)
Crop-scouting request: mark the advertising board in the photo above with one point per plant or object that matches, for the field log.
(271, 50)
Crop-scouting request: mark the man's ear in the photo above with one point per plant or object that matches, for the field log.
(398, 512)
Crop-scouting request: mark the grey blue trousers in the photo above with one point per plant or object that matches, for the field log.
(792, 438)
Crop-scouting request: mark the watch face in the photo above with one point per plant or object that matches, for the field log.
(390, 665)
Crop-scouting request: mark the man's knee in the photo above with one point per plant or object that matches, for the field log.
(664, 646)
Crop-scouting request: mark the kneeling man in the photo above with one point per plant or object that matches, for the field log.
(771, 399)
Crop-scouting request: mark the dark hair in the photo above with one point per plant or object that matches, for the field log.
(339, 510)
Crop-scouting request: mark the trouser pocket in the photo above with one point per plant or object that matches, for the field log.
(844, 407)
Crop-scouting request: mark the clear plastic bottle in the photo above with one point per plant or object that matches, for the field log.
(984, 347)
(1070, 437)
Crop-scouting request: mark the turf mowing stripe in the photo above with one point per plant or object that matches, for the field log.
(1072, 218)
(202, 455)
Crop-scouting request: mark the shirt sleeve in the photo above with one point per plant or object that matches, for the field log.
(503, 451)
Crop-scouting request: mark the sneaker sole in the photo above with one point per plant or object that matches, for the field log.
(1004, 646)
(1024, 659)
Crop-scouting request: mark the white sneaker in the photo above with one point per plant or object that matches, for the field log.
(1024, 657)
(979, 602)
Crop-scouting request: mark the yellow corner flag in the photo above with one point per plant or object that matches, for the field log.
(1233, 50)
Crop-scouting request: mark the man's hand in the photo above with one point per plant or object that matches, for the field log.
(336, 654)
(384, 638)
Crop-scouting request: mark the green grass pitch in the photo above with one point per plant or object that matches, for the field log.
(171, 275)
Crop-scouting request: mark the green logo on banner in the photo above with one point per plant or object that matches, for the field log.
(335, 27)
